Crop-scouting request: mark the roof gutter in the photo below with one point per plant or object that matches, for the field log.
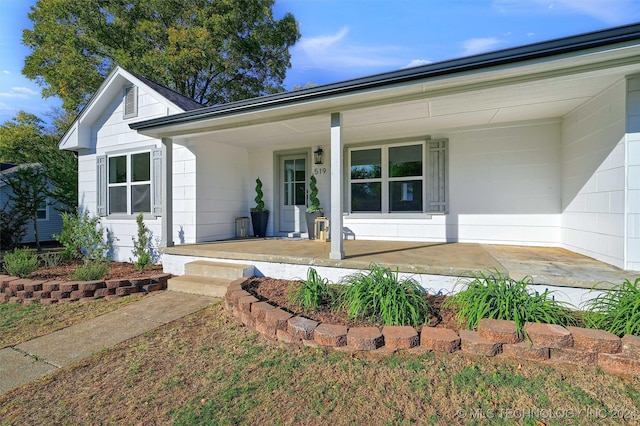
(545, 49)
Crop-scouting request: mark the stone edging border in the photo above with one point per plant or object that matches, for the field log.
(549, 343)
(26, 291)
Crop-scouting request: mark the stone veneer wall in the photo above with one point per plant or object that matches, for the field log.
(548, 343)
(26, 291)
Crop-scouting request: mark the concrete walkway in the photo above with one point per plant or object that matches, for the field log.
(43, 355)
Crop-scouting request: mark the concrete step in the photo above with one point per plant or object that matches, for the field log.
(194, 284)
(229, 271)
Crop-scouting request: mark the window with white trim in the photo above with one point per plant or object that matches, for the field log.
(42, 212)
(398, 178)
(129, 183)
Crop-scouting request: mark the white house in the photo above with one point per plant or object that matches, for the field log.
(536, 146)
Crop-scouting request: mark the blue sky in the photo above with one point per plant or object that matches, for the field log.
(344, 39)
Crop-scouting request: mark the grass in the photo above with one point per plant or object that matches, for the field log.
(617, 310)
(19, 323)
(208, 369)
(498, 296)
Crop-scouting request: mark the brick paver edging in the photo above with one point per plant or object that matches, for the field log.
(546, 343)
(25, 291)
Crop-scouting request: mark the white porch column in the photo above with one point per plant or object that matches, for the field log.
(337, 172)
(166, 240)
(632, 174)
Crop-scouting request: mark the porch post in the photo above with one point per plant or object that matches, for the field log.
(166, 240)
(337, 172)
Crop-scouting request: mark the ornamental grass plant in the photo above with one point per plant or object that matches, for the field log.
(498, 296)
(616, 310)
(313, 292)
(378, 294)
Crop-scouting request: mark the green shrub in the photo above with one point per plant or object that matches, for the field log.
(378, 295)
(13, 227)
(90, 271)
(142, 246)
(83, 237)
(617, 310)
(498, 296)
(312, 293)
(50, 259)
(21, 262)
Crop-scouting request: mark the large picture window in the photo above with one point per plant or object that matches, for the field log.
(408, 177)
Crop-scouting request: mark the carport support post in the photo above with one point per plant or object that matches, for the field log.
(166, 240)
(337, 171)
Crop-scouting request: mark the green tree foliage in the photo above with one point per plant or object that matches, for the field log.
(211, 51)
(25, 140)
(28, 192)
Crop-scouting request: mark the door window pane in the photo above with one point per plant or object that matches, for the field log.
(366, 164)
(301, 170)
(141, 167)
(405, 161)
(300, 194)
(366, 197)
(405, 196)
(118, 169)
(141, 198)
(118, 199)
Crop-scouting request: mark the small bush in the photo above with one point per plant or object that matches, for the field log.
(312, 293)
(498, 296)
(617, 310)
(13, 227)
(21, 262)
(50, 260)
(83, 237)
(142, 246)
(90, 271)
(378, 295)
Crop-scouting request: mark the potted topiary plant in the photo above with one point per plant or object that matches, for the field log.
(259, 214)
(314, 210)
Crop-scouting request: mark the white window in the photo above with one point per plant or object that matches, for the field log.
(129, 183)
(130, 102)
(394, 178)
(42, 212)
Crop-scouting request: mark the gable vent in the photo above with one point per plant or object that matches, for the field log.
(130, 101)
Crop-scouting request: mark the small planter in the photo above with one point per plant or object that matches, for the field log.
(259, 222)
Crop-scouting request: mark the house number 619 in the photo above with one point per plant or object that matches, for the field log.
(320, 171)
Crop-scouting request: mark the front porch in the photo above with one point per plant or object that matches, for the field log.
(437, 266)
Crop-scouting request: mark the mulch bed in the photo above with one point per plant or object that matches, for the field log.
(276, 292)
(117, 270)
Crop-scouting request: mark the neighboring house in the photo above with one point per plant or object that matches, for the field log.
(536, 145)
(49, 219)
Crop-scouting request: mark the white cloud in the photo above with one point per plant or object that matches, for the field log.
(337, 51)
(6, 72)
(479, 45)
(612, 12)
(19, 92)
(417, 63)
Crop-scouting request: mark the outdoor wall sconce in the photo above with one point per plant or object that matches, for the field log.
(318, 156)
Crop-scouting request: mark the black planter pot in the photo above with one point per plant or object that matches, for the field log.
(311, 220)
(259, 222)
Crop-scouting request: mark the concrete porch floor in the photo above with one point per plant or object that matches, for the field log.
(546, 266)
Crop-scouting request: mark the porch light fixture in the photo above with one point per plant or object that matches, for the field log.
(318, 156)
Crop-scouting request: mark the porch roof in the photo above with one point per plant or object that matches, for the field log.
(545, 266)
(538, 81)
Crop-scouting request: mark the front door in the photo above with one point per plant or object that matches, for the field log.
(293, 193)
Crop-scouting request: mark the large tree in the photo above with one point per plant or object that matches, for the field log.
(213, 51)
(26, 139)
